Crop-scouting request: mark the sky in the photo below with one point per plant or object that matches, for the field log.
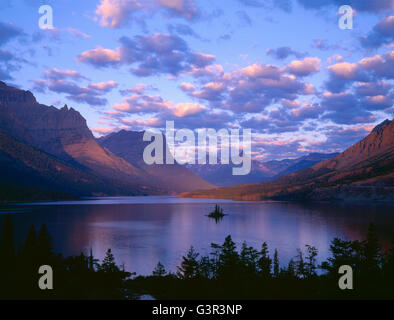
(283, 68)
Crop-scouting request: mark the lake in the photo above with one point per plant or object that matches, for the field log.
(144, 230)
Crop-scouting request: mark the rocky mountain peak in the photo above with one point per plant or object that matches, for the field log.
(381, 126)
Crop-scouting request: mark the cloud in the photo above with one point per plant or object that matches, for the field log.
(378, 102)
(382, 33)
(372, 88)
(182, 29)
(345, 70)
(261, 71)
(286, 118)
(115, 13)
(187, 87)
(323, 45)
(118, 13)
(210, 91)
(187, 109)
(59, 81)
(201, 60)
(154, 54)
(56, 74)
(379, 65)
(142, 103)
(181, 8)
(100, 57)
(345, 108)
(304, 67)
(8, 32)
(339, 137)
(137, 124)
(139, 88)
(9, 62)
(375, 6)
(102, 131)
(285, 5)
(253, 88)
(103, 86)
(282, 53)
(342, 75)
(77, 33)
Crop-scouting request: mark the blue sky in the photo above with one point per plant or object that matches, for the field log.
(283, 68)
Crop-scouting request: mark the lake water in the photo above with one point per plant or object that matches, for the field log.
(144, 230)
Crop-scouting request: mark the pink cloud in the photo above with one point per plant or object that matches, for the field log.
(137, 123)
(114, 13)
(344, 70)
(104, 86)
(117, 13)
(258, 71)
(55, 73)
(100, 56)
(187, 109)
(102, 130)
(304, 67)
(187, 87)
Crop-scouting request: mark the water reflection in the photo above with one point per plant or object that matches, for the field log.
(142, 232)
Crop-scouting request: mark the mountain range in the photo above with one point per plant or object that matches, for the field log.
(365, 171)
(49, 153)
(129, 145)
(54, 151)
(221, 174)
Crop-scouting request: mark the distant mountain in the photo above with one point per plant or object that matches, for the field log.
(221, 175)
(364, 171)
(129, 145)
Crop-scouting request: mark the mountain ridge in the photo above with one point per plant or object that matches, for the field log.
(364, 171)
(60, 138)
(175, 176)
(221, 175)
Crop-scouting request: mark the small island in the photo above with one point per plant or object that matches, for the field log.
(217, 214)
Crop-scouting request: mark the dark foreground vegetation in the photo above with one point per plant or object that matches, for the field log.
(15, 193)
(226, 273)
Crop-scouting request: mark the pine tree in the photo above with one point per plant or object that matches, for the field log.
(372, 250)
(249, 258)
(44, 244)
(291, 272)
(342, 253)
(300, 264)
(310, 265)
(189, 268)
(92, 262)
(265, 261)
(206, 268)
(229, 261)
(108, 265)
(276, 264)
(159, 270)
